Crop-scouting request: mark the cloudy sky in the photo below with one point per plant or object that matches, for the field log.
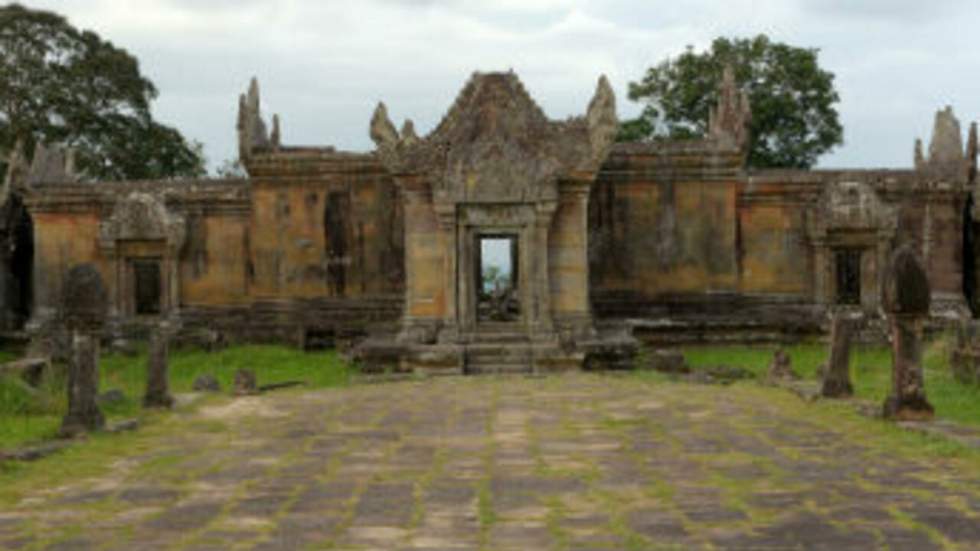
(324, 64)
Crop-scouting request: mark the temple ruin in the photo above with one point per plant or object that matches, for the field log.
(609, 243)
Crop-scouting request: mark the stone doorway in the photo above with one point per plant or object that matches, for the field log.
(16, 264)
(848, 268)
(497, 288)
(147, 289)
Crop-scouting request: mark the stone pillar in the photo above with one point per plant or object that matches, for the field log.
(448, 236)
(907, 298)
(908, 396)
(157, 383)
(83, 304)
(837, 376)
(542, 320)
(83, 387)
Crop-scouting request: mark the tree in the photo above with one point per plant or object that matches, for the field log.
(794, 119)
(231, 168)
(62, 85)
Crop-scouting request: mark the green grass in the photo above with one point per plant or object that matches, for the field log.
(870, 372)
(28, 415)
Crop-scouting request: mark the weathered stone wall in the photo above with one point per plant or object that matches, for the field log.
(324, 224)
(312, 244)
(689, 247)
(657, 229)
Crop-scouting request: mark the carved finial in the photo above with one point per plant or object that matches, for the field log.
(919, 158)
(408, 135)
(17, 168)
(70, 163)
(252, 100)
(251, 128)
(728, 121)
(51, 165)
(275, 138)
(383, 132)
(947, 141)
(601, 117)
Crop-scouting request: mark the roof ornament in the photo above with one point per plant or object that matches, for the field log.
(17, 169)
(252, 133)
(601, 118)
(52, 165)
(383, 132)
(946, 152)
(728, 121)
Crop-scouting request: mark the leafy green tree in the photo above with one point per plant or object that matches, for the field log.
(794, 119)
(62, 85)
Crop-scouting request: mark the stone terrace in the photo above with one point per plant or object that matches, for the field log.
(570, 462)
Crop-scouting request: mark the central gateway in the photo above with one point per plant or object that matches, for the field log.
(495, 169)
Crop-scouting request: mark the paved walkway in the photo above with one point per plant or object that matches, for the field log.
(572, 462)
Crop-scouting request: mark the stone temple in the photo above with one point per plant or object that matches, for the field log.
(606, 243)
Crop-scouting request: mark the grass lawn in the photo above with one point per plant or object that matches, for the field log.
(870, 372)
(28, 415)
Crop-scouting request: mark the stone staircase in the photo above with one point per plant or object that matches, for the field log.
(501, 357)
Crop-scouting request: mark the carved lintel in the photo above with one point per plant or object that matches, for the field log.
(142, 217)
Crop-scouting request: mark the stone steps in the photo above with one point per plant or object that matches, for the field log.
(506, 357)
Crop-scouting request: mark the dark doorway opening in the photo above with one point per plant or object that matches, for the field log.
(497, 277)
(146, 277)
(336, 221)
(969, 256)
(18, 241)
(848, 262)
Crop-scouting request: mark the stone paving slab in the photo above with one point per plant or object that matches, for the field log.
(566, 463)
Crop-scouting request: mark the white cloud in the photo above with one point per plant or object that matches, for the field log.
(324, 65)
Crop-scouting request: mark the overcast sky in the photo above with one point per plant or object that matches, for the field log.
(323, 65)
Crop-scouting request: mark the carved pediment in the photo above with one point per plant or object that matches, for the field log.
(852, 206)
(496, 144)
(142, 217)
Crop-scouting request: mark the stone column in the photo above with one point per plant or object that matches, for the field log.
(83, 387)
(907, 400)
(83, 304)
(542, 322)
(837, 376)
(821, 293)
(157, 383)
(907, 298)
(448, 234)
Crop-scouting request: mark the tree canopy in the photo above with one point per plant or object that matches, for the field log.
(794, 119)
(61, 85)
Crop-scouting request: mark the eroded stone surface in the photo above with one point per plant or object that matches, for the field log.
(571, 462)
